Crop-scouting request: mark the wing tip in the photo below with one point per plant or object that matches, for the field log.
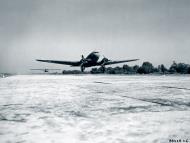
(39, 60)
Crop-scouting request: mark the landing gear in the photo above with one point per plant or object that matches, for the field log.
(82, 68)
(103, 68)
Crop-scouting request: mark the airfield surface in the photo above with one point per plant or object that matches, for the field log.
(94, 109)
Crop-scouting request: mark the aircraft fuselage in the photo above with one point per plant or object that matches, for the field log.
(92, 59)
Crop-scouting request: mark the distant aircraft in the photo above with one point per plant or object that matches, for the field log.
(45, 70)
(90, 61)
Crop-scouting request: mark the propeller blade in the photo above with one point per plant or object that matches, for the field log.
(83, 60)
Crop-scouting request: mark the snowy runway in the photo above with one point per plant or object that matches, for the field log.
(94, 109)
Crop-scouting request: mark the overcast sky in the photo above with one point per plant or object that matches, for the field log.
(151, 30)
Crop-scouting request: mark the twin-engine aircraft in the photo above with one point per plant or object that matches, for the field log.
(45, 70)
(91, 60)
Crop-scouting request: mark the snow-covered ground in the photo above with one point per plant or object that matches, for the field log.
(94, 109)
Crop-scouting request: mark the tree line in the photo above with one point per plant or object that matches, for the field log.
(145, 68)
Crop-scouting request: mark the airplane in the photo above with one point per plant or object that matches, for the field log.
(90, 61)
(45, 70)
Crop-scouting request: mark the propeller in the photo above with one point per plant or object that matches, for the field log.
(83, 61)
(105, 60)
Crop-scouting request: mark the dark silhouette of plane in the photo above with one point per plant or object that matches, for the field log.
(90, 61)
(45, 70)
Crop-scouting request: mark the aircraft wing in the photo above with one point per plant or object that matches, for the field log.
(117, 62)
(71, 63)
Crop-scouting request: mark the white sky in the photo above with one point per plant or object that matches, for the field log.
(151, 30)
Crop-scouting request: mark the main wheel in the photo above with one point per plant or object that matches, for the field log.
(82, 68)
(103, 69)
